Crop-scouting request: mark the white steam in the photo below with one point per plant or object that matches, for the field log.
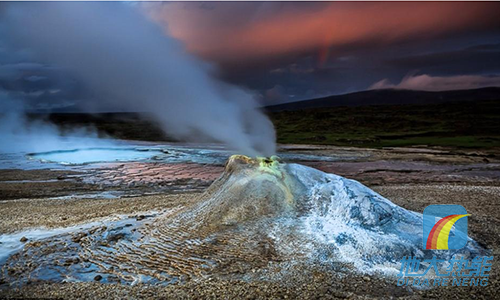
(127, 60)
(21, 134)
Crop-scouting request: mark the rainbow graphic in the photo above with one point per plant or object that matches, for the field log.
(440, 232)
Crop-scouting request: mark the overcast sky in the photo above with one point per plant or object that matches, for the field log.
(293, 51)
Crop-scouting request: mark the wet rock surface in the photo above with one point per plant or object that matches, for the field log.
(156, 176)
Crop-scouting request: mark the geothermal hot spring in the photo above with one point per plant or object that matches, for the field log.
(262, 216)
(95, 155)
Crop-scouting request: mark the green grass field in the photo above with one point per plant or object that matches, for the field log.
(474, 124)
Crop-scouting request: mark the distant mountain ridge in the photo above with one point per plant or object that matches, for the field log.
(390, 97)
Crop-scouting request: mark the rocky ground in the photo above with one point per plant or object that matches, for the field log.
(410, 177)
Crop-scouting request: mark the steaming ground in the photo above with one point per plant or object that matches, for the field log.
(411, 178)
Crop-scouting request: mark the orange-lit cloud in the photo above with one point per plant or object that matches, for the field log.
(251, 31)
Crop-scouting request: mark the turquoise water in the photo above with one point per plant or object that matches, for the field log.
(95, 155)
(158, 153)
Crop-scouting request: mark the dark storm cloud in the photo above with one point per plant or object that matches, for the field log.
(291, 51)
(41, 87)
(476, 59)
(359, 69)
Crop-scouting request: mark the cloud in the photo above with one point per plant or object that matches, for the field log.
(435, 83)
(275, 95)
(309, 49)
(482, 58)
(40, 86)
(254, 31)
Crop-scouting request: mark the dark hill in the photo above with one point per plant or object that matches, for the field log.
(391, 97)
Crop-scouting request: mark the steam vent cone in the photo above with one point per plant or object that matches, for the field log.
(261, 216)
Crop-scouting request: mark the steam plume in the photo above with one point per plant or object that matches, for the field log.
(126, 59)
(20, 134)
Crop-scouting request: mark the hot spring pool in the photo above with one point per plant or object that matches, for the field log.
(159, 153)
(95, 155)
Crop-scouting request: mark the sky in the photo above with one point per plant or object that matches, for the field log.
(290, 51)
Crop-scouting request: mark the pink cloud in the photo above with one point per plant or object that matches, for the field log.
(250, 31)
(436, 83)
